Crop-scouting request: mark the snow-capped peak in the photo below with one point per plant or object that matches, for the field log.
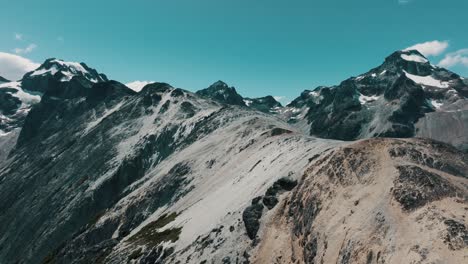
(66, 70)
(427, 80)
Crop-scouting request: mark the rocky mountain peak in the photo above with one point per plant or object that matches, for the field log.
(54, 71)
(394, 99)
(410, 61)
(221, 92)
(220, 84)
(68, 70)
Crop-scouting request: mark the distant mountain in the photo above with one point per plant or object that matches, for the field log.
(266, 104)
(54, 71)
(54, 76)
(221, 92)
(95, 172)
(403, 97)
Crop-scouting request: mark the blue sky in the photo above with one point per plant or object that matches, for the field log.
(260, 47)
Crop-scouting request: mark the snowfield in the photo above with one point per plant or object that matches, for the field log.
(427, 80)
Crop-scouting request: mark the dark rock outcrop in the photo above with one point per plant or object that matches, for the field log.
(251, 217)
(416, 187)
(221, 92)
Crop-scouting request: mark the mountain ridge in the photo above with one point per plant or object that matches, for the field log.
(100, 173)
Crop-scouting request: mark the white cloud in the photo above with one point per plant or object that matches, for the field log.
(404, 2)
(60, 39)
(459, 57)
(13, 67)
(26, 50)
(430, 48)
(18, 36)
(138, 85)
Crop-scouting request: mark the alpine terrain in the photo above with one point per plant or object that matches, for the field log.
(372, 170)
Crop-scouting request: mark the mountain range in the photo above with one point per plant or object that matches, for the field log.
(372, 170)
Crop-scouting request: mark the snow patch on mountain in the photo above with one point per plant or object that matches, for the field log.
(427, 80)
(74, 67)
(436, 104)
(414, 57)
(52, 70)
(138, 85)
(363, 99)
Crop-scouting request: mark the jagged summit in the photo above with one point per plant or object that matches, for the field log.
(53, 78)
(53, 71)
(395, 99)
(68, 70)
(222, 93)
(414, 66)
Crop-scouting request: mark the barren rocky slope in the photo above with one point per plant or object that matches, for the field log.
(375, 201)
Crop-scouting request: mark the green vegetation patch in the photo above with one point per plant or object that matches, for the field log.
(150, 235)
